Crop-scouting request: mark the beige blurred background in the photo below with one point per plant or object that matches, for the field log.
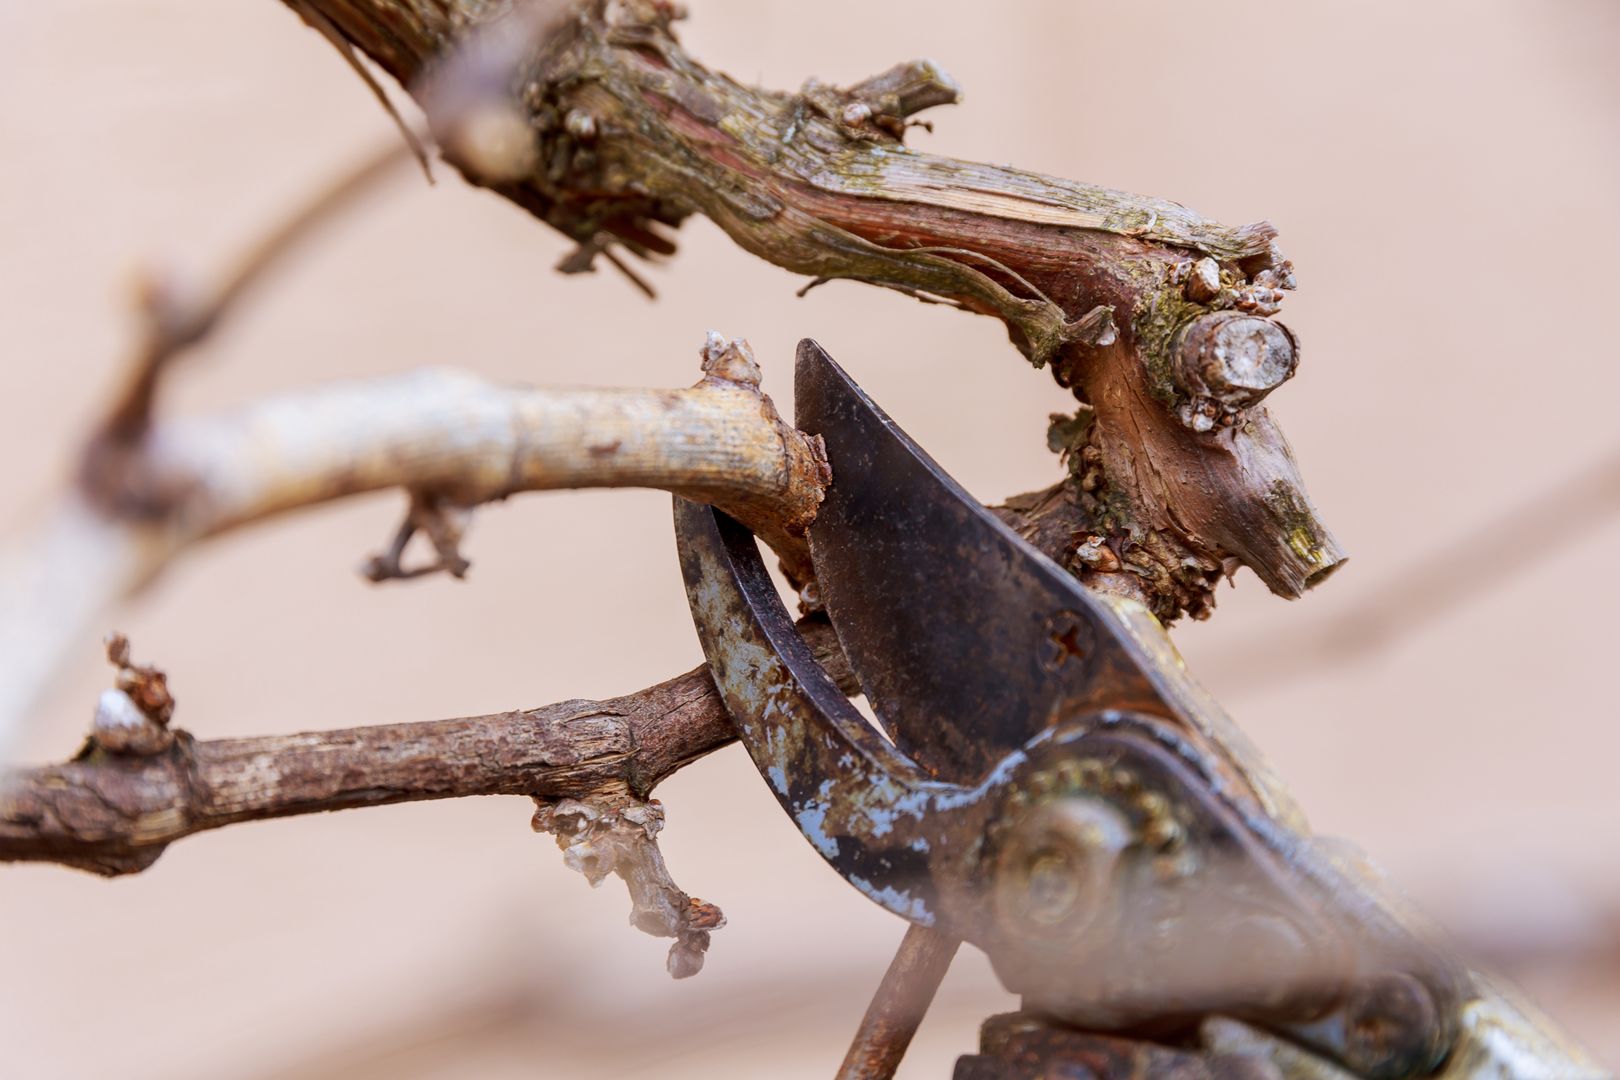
(1445, 176)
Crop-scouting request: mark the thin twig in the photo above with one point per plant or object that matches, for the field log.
(175, 322)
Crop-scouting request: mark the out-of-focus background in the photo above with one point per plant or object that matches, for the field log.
(1446, 177)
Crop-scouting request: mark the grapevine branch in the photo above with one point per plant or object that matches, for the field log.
(451, 439)
(139, 785)
(1157, 318)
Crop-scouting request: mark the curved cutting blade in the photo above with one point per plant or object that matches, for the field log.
(966, 640)
(867, 809)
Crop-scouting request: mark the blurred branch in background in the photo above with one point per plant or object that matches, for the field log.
(525, 1005)
(439, 434)
(523, 1009)
(129, 515)
(174, 318)
(1466, 569)
(60, 574)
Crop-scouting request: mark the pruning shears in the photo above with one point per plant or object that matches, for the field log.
(1051, 786)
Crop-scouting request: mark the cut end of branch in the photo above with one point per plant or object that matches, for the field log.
(1305, 553)
(1227, 362)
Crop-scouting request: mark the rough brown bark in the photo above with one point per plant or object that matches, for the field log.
(1156, 317)
(115, 813)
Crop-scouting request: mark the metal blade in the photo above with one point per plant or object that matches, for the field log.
(966, 640)
(867, 809)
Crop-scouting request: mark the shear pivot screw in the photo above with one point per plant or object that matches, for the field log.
(1053, 870)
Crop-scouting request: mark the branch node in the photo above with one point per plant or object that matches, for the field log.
(443, 523)
(613, 832)
(1096, 327)
(1203, 282)
(889, 100)
(876, 107)
(173, 317)
(732, 361)
(1094, 553)
(1228, 361)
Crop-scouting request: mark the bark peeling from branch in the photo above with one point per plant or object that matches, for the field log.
(1157, 318)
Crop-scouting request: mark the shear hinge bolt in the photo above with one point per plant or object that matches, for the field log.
(1054, 866)
(1389, 1027)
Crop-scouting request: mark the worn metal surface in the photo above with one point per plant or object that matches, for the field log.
(1103, 866)
(861, 803)
(1089, 820)
(1018, 1046)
